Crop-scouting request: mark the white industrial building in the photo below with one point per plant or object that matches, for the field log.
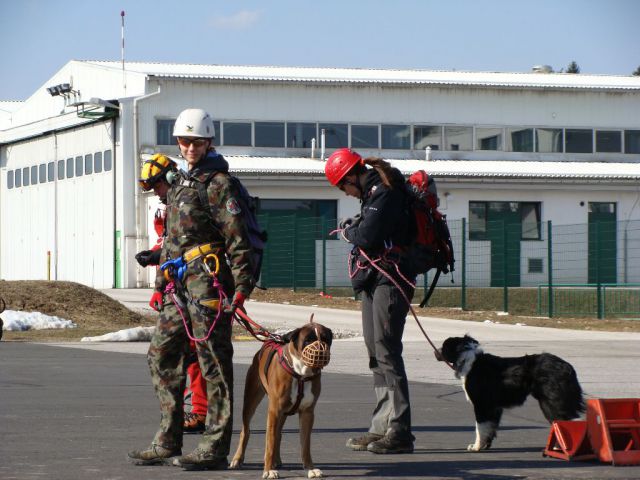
(523, 148)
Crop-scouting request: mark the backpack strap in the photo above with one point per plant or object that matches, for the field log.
(434, 282)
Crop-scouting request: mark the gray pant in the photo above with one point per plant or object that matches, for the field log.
(384, 312)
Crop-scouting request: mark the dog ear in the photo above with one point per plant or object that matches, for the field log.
(328, 337)
(291, 336)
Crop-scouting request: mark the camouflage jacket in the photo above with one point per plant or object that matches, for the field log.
(189, 223)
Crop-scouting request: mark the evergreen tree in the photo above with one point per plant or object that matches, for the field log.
(636, 72)
(573, 67)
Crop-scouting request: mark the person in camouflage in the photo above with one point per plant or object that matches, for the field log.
(194, 231)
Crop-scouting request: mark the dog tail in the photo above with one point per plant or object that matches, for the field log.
(555, 385)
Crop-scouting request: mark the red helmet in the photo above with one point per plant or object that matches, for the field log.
(339, 164)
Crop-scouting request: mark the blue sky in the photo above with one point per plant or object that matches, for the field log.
(37, 37)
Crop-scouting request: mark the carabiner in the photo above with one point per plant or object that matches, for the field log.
(207, 267)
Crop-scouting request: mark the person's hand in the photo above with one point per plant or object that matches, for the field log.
(347, 222)
(148, 257)
(237, 302)
(156, 301)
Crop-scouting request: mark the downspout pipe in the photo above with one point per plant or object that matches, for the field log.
(137, 194)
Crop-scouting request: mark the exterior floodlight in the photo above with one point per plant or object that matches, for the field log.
(64, 88)
(53, 91)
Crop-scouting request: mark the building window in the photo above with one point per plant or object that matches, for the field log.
(578, 140)
(364, 136)
(269, 134)
(458, 138)
(396, 137)
(97, 162)
(519, 139)
(530, 216)
(427, 136)
(536, 265)
(51, 171)
(299, 134)
(608, 141)
(632, 141)
(34, 175)
(42, 173)
(481, 214)
(549, 140)
(336, 135)
(60, 169)
(88, 164)
(10, 179)
(69, 167)
(164, 132)
(18, 178)
(25, 176)
(237, 134)
(477, 220)
(79, 166)
(107, 160)
(488, 138)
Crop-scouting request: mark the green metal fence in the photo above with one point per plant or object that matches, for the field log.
(584, 269)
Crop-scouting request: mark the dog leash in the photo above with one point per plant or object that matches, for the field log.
(256, 330)
(413, 312)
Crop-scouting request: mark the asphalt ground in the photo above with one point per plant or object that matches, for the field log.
(73, 413)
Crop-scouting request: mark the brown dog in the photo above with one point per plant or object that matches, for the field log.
(3, 305)
(289, 374)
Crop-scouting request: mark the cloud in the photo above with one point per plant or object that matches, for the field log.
(238, 21)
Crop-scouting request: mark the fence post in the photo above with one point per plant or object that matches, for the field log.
(505, 270)
(323, 229)
(596, 226)
(550, 268)
(264, 273)
(293, 248)
(463, 289)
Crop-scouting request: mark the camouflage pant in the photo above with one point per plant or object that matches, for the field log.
(167, 359)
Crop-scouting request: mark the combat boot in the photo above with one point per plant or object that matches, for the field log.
(201, 459)
(154, 455)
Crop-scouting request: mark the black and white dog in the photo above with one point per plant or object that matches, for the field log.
(494, 383)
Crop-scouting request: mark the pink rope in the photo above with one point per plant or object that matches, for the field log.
(170, 289)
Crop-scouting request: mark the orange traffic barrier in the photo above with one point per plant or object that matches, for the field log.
(568, 441)
(613, 425)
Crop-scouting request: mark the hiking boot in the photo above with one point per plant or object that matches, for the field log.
(359, 444)
(201, 460)
(389, 444)
(154, 455)
(193, 423)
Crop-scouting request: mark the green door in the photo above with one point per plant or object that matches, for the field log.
(294, 227)
(504, 227)
(602, 242)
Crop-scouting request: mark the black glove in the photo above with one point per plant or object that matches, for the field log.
(148, 257)
(347, 222)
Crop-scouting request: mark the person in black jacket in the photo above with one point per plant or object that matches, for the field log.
(380, 232)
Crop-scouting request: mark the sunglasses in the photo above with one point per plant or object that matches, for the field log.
(197, 142)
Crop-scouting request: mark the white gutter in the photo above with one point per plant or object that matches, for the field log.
(137, 206)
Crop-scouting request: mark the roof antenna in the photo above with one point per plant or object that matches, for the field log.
(124, 83)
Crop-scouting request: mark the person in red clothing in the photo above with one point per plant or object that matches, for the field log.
(159, 172)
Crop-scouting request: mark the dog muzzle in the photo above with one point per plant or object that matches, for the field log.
(316, 355)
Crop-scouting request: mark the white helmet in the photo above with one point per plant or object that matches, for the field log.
(194, 122)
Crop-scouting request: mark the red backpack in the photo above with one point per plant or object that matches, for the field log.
(432, 246)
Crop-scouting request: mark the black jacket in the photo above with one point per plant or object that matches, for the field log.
(384, 222)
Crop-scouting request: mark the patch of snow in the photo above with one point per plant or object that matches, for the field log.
(136, 334)
(17, 321)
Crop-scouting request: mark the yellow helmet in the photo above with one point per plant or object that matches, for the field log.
(155, 169)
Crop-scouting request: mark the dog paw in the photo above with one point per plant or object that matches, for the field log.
(476, 448)
(270, 474)
(314, 473)
(235, 464)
